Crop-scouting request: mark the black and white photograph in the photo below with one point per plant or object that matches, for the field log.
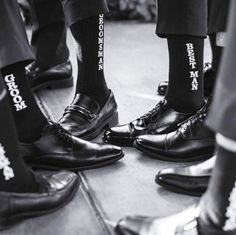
(117, 117)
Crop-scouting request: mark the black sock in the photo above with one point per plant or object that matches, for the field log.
(185, 90)
(15, 176)
(216, 52)
(89, 37)
(28, 117)
(220, 193)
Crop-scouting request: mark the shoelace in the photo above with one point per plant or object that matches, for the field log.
(199, 116)
(146, 118)
(56, 128)
(30, 68)
(207, 66)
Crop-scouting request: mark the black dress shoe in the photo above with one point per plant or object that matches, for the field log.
(184, 223)
(187, 222)
(54, 191)
(59, 76)
(58, 149)
(161, 119)
(192, 180)
(209, 81)
(192, 141)
(85, 118)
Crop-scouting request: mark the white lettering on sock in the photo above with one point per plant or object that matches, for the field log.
(100, 42)
(18, 101)
(194, 74)
(8, 172)
(230, 223)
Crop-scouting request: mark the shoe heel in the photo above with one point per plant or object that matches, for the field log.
(114, 120)
(68, 82)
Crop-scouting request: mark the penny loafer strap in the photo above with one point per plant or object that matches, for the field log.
(80, 110)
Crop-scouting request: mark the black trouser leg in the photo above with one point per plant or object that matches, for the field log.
(14, 45)
(223, 121)
(49, 33)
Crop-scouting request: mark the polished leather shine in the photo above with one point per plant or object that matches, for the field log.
(192, 180)
(161, 119)
(187, 222)
(85, 118)
(57, 149)
(59, 76)
(54, 191)
(184, 223)
(192, 141)
(162, 88)
(209, 81)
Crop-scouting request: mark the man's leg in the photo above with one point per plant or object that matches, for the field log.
(15, 176)
(217, 22)
(223, 123)
(24, 106)
(184, 24)
(219, 202)
(197, 176)
(52, 68)
(91, 80)
(216, 214)
(49, 33)
(217, 19)
(86, 22)
(21, 191)
(13, 49)
(94, 106)
(42, 143)
(12, 65)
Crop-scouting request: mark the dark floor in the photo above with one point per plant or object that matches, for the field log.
(136, 61)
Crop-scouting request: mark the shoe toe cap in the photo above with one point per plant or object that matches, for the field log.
(166, 176)
(130, 225)
(61, 180)
(121, 135)
(177, 180)
(109, 151)
(151, 141)
(116, 132)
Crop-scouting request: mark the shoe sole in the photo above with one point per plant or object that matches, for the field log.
(55, 84)
(108, 122)
(80, 168)
(6, 223)
(179, 190)
(164, 157)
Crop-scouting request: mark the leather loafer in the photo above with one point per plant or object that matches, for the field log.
(184, 223)
(54, 191)
(58, 149)
(59, 76)
(192, 141)
(161, 119)
(85, 118)
(209, 81)
(187, 222)
(192, 180)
